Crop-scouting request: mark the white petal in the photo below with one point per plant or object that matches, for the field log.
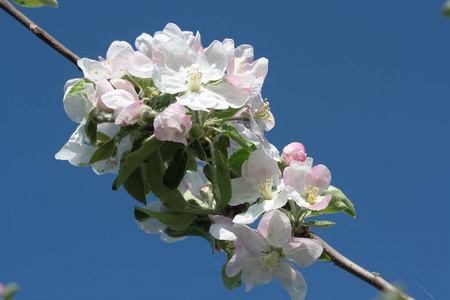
(213, 62)
(252, 213)
(236, 262)
(244, 189)
(231, 94)
(249, 239)
(292, 280)
(275, 227)
(303, 251)
(254, 272)
(71, 148)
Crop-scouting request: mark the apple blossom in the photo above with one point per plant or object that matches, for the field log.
(197, 78)
(172, 124)
(307, 184)
(293, 152)
(260, 182)
(76, 106)
(261, 257)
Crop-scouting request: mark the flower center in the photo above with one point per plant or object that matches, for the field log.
(312, 193)
(266, 189)
(194, 79)
(264, 113)
(271, 258)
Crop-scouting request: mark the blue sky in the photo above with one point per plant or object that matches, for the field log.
(363, 85)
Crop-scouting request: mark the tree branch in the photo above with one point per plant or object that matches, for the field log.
(39, 32)
(371, 278)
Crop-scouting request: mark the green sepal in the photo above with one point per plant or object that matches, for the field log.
(153, 173)
(174, 220)
(91, 132)
(231, 132)
(176, 170)
(37, 3)
(318, 224)
(134, 159)
(324, 257)
(236, 159)
(222, 144)
(104, 151)
(222, 180)
(136, 187)
(77, 88)
(339, 202)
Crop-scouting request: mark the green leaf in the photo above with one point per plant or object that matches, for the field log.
(236, 159)
(196, 228)
(339, 202)
(101, 137)
(192, 162)
(91, 132)
(446, 9)
(231, 132)
(208, 170)
(153, 173)
(176, 170)
(169, 149)
(134, 159)
(324, 257)
(197, 146)
(222, 144)
(318, 224)
(104, 151)
(222, 180)
(136, 187)
(174, 220)
(77, 88)
(37, 3)
(226, 113)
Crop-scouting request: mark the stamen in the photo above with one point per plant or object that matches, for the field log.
(312, 194)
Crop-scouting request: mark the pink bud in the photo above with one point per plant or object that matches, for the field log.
(172, 124)
(294, 152)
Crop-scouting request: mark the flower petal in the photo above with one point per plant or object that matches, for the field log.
(254, 272)
(292, 280)
(302, 251)
(249, 239)
(275, 227)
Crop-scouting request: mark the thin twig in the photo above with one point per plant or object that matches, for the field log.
(39, 32)
(371, 278)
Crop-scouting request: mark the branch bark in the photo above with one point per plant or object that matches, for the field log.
(371, 278)
(39, 32)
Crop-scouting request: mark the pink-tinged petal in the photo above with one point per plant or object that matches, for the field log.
(294, 152)
(260, 68)
(243, 81)
(244, 189)
(294, 176)
(129, 114)
(292, 280)
(213, 62)
(275, 227)
(255, 273)
(228, 45)
(172, 124)
(140, 65)
(236, 262)
(322, 203)
(116, 47)
(261, 167)
(231, 94)
(121, 84)
(196, 44)
(304, 252)
(252, 213)
(222, 228)
(249, 239)
(319, 176)
(117, 99)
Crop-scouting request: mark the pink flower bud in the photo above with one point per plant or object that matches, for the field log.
(294, 152)
(172, 124)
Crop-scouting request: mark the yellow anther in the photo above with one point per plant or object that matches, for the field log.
(239, 69)
(311, 194)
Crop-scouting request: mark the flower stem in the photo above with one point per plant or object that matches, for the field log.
(39, 32)
(344, 263)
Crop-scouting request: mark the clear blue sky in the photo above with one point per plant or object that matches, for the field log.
(364, 85)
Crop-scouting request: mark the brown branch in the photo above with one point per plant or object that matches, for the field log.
(39, 32)
(371, 278)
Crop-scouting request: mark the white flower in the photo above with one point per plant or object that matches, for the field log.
(198, 78)
(260, 255)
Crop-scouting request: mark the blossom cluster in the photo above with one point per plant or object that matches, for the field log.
(186, 123)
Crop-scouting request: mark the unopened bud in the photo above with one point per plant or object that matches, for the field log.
(294, 152)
